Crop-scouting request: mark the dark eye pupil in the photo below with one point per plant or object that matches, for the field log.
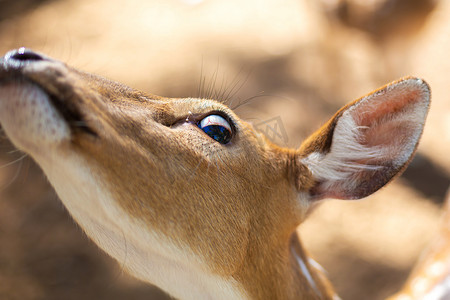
(219, 133)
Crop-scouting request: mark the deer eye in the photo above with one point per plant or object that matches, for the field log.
(217, 128)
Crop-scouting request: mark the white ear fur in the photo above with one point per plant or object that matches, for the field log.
(335, 166)
(372, 141)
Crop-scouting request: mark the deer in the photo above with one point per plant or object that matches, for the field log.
(186, 195)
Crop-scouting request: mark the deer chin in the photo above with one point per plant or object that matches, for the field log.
(30, 119)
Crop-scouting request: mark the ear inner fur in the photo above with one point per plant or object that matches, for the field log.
(368, 142)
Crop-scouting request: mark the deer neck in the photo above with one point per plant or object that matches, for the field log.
(274, 267)
(283, 272)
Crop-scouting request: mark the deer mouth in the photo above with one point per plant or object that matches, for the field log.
(71, 114)
(32, 73)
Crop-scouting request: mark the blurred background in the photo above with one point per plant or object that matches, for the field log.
(295, 61)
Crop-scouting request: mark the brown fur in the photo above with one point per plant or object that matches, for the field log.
(234, 206)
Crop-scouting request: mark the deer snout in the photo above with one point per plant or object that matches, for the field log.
(13, 64)
(22, 56)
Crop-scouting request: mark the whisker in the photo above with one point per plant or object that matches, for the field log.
(207, 167)
(232, 93)
(234, 84)
(195, 170)
(16, 174)
(211, 88)
(13, 162)
(248, 100)
(13, 151)
(218, 167)
(221, 90)
(200, 85)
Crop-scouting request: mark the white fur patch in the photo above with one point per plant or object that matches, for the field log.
(337, 164)
(28, 117)
(316, 265)
(306, 272)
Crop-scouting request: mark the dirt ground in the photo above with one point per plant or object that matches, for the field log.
(303, 59)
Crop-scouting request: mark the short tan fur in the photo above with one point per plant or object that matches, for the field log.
(177, 208)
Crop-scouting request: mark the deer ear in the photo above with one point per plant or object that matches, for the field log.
(367, 143)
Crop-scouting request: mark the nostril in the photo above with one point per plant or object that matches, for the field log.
(25, 55)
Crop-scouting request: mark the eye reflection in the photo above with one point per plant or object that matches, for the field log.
(217, 128)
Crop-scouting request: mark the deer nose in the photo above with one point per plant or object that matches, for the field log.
(16, 59)
(24, 55)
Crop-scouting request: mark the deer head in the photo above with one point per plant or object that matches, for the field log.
(186, 195)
